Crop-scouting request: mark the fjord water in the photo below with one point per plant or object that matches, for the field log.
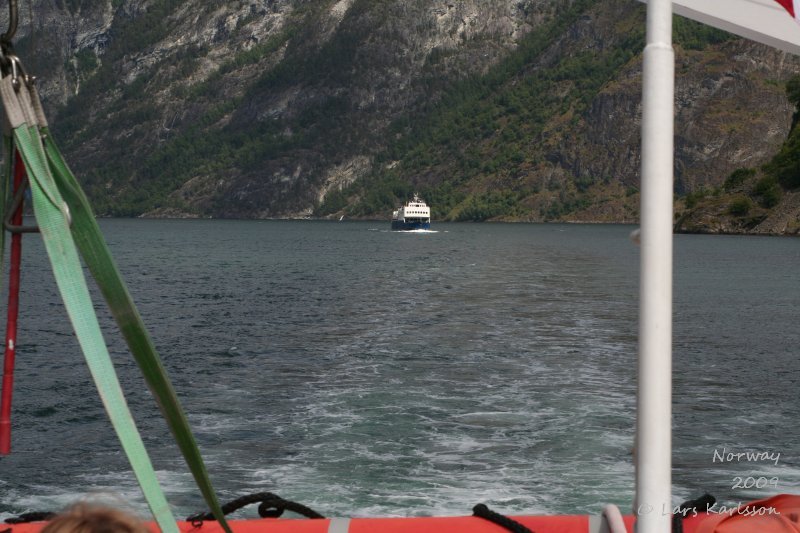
(365, 372)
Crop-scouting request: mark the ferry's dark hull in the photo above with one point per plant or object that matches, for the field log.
(399, 225)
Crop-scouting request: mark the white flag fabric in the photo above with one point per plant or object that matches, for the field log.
(763, 21)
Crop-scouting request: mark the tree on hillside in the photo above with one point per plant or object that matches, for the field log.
(785, 166)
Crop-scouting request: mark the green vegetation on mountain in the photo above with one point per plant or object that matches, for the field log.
(491, 110)
(483, 127)
(785, 166)
(441, 134)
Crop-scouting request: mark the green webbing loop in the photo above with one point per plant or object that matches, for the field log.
(61, 207)
(98, 259)
(52, 216)
(67, 270)
(54, 228)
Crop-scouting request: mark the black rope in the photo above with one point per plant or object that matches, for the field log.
(699, 505)
(484, 512)
(271, 506)
(24, 518)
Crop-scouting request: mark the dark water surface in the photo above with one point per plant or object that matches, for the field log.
(366, 372)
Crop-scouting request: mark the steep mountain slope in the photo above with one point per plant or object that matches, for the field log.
(509, 109)
(559, 138)
(763, 199)
(244, 109)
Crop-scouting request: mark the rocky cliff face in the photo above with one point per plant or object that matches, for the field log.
(266, 108)
(317, 82)
(731, 112)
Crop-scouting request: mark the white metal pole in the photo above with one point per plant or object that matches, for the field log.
(654, 397)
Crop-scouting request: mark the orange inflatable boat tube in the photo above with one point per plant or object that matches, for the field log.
(455, 524)
(777, 514)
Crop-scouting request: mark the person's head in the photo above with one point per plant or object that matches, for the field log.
(83, 518)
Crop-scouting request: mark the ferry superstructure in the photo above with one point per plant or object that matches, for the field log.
(415, 215)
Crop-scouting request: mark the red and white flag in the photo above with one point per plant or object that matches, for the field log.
(789, 5)
(764, 21)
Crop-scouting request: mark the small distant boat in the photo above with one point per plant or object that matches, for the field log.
(414, 215)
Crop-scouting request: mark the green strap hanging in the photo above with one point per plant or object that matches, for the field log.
(52, 216)
(58, 202)
(104, 270)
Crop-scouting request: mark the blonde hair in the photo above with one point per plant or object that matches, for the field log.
(83, 518)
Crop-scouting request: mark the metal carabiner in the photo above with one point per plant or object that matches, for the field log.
(12, 65)
(13, 21)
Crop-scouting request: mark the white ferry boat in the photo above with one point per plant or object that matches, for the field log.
(414, 215)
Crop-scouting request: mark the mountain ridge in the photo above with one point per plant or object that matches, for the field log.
(493, 109)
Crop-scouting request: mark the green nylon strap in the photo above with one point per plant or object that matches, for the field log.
(51, 216)
(98, 259)
(36, 162)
